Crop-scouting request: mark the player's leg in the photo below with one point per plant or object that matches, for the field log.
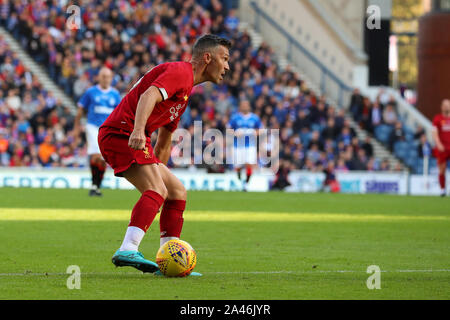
(171, 219)
(249, 169)
(98, 168)
(239, 155)
(250, 163)
(238, 170)
(442, 166)
(96, 162)
(147, 179)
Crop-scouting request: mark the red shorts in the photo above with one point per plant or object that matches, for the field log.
(114, 147)
(442, 156)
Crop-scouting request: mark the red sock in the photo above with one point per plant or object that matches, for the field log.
(249, 173)
(145, 210)
(101, 173)
(442, 180)
(94, 172)
(171, 220)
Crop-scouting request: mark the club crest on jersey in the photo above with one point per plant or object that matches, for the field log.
(146, 152)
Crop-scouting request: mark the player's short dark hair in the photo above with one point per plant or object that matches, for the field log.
(209, 41)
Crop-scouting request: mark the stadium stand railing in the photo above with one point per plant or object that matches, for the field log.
(336, 90)
(328, 82)
(315, 74)
(412, 119)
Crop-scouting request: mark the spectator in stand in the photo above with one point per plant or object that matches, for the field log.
(424, 148)
(385, 166)
(371, 165)
(361, 160)
(47, 152)
(315, 141)
(302, 122)
(330, 131)
(367, 146)
(398, 134)
(231, 21)
(13, 100)
(390, 115)
(346, 136)
(318, 113)
(341, 166)
(340, 119)
(420, 131)
(375, 117)
(356, 104)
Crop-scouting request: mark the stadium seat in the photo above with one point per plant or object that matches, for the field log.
(382, 133)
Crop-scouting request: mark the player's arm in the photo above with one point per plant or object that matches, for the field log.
(146, 104)
(437, 140)
(163, 145)
(77, 120)
(83, 104)
(78, 116)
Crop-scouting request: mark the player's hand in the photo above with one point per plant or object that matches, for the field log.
(441, 147)
(137, 140)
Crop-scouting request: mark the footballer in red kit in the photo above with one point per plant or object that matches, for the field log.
(441, 137)
(156, 101)
(174, 80)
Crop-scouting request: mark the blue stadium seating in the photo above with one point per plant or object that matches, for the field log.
(382, 133)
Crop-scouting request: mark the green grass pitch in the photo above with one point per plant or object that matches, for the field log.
(249, 246)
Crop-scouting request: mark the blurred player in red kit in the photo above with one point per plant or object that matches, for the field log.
(441, 137)
(156, 101)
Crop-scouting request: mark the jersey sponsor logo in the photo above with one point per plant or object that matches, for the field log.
(103, 110)
(174, 111)
(112, 101)
(445, 125)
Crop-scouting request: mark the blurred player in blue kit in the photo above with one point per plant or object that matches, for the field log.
(96, 103)
(246, 125)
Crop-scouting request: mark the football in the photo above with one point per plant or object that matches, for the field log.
(176, 258)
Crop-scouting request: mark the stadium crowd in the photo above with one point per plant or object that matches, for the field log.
(130, 37)
(35, 129)
(382, 119)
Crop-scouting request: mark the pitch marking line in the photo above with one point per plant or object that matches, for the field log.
(229, 272)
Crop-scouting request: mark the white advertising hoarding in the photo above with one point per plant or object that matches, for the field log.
(302, 181)
(352, 182)
(81, 179)
(426, 185)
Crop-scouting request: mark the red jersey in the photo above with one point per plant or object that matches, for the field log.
(442, 124)
(174, 80)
